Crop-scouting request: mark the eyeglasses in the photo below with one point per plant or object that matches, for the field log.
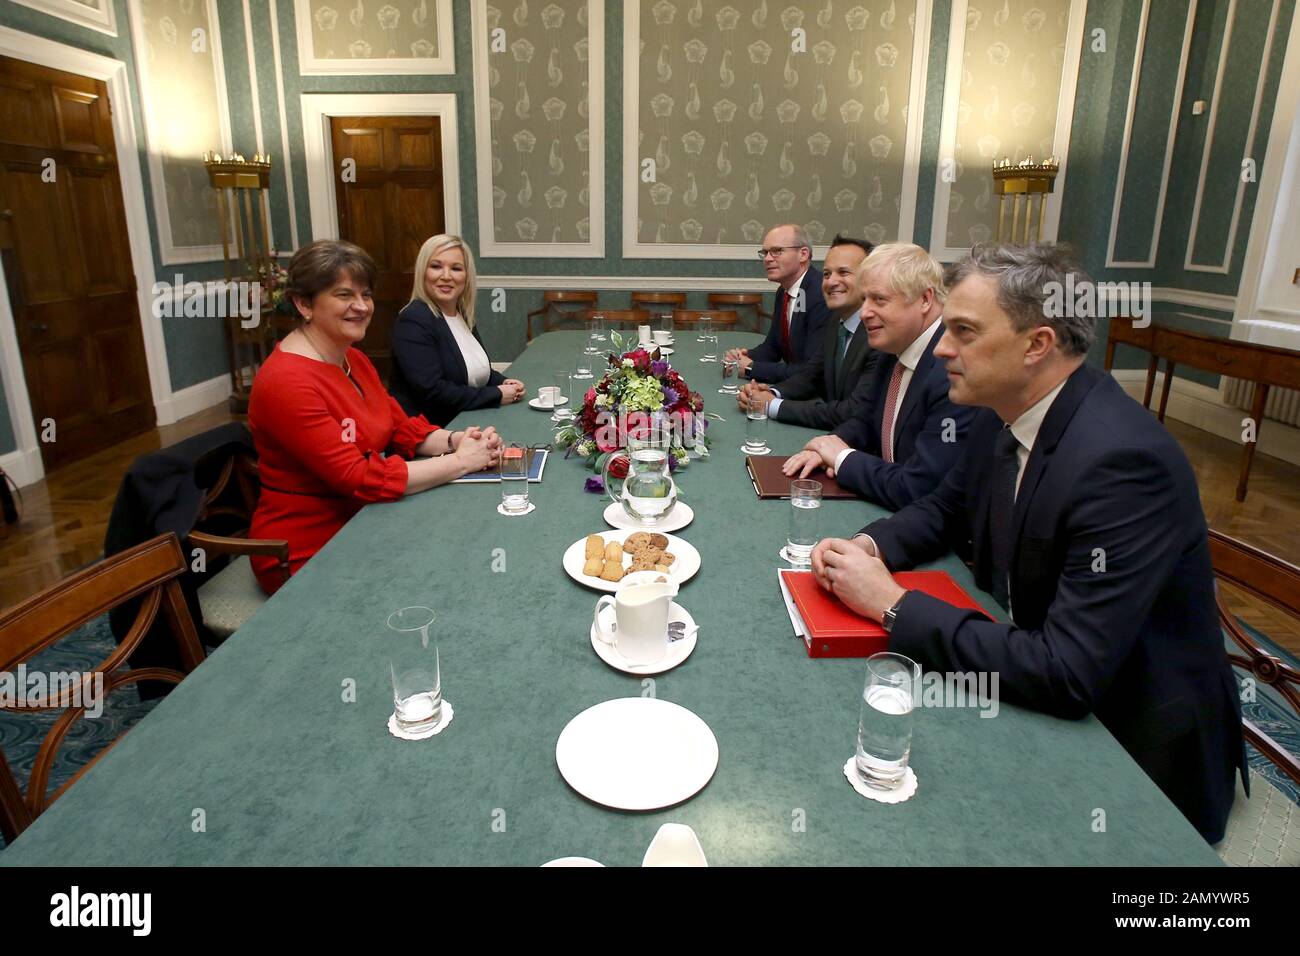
(775, 251)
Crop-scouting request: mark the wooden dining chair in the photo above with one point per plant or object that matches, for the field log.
(658, 301)
(1259, 831)
(723, 319)
(232, 595)
(619, 318)
(147, 571)
(557, 306)
(751, 302)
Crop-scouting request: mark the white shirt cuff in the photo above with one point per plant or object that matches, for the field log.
(772, 406)
(839, 459)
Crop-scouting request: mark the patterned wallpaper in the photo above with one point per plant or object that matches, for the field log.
(541, 134)
(1011, 80)
(183, 113)
(745, 131)
(343, 29)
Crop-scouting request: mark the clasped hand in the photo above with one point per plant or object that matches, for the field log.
(479, 447)
(851, 571)
(512, 390)
(741, 359)
(820, 452)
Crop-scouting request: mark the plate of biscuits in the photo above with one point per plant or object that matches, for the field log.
(602, 560)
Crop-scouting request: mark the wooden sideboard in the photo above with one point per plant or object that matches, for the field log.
(1263, 365)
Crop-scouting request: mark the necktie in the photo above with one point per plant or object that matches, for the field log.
(1006, 467)
(887, 418)
(785, 329)
(841, 350)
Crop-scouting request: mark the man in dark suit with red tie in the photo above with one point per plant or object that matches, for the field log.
(905, 434)
(1081, 515)
(800, 314)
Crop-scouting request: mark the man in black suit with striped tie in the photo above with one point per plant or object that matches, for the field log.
(800, 313)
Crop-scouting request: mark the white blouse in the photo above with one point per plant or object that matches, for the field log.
(477, 366)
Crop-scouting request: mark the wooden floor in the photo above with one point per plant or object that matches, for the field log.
(65, 516)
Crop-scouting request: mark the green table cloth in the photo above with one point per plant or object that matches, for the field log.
(285, 769)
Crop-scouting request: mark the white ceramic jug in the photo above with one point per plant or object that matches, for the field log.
(641, 620)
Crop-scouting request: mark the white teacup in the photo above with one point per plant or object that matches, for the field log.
(643, 334)
(641, 620)
(547, 396)
(662, 337)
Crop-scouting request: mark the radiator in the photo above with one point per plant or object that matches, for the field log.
(1283, 404)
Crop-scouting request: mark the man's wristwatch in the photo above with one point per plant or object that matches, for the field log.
(890, 616)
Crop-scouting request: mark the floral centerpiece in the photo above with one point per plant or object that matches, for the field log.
(640, 393)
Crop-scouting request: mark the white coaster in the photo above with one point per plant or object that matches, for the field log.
(797, 562)
(765, 451)
(501, 510)
(904, 792)
(400, 734)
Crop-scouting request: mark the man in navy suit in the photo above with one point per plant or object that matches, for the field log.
(1081, 515)
(827, 389)
(800, 313)
(907, 434)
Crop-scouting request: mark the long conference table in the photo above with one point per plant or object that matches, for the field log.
(285, 770)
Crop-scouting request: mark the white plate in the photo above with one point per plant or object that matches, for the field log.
(637, 753)
(676, 652)
(573, 861)
(537, 404)
(683, 569)
(678, 518)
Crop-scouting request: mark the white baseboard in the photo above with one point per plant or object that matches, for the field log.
(192, 400)
(24, 467)
(1199, 406)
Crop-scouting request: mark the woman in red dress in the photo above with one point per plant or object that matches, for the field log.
(329, 437)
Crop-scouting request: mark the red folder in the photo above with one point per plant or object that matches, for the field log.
(833, 630)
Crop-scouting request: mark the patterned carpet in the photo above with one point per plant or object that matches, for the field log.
(21, 734)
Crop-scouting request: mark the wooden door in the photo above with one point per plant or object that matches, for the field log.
(389, 202)
(67, 262)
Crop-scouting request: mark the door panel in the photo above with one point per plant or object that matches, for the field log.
(394, 205)
(66, 255)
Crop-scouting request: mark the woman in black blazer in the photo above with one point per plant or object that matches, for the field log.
(440, 367)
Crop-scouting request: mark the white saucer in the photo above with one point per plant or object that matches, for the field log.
(677, 651)
(637, 753)
(537, 404)
(678, 518)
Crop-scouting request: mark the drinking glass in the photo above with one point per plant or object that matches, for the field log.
(885, 726)
(710, 347)
(705, 327)
(666, 323)
(730, 378)
(756, 431)
(413, 663)
(585, 363)
(596, 335)
(563, 380)
(805, 508)
(514, 478)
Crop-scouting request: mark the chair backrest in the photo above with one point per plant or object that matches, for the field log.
(623, 318)
(147, 571)
(688, 318)
(232, 488)
(676, 299)
(1277, 583)
(556, 312)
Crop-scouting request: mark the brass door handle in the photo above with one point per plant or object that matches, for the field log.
(6, 213)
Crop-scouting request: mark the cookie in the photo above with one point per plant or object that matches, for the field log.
(667, 558)
(614, 553)
(613, 571)
(636, 541)
(595, 547)
(642, 562)
(659, 541)
(594, 566)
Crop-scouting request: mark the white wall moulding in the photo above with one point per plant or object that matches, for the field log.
(1224, 266)
(539, 129)
(749, 124)
(33, 49)
(257, 102)
(1269, 299)
(24, 467)
(182, 84)
(1054, 27)
(629, 283)
(317, 108)
(286, 163)
(349, 37)
(196, 398)
(1203, 300)
(1149, 261)
(95, 14)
